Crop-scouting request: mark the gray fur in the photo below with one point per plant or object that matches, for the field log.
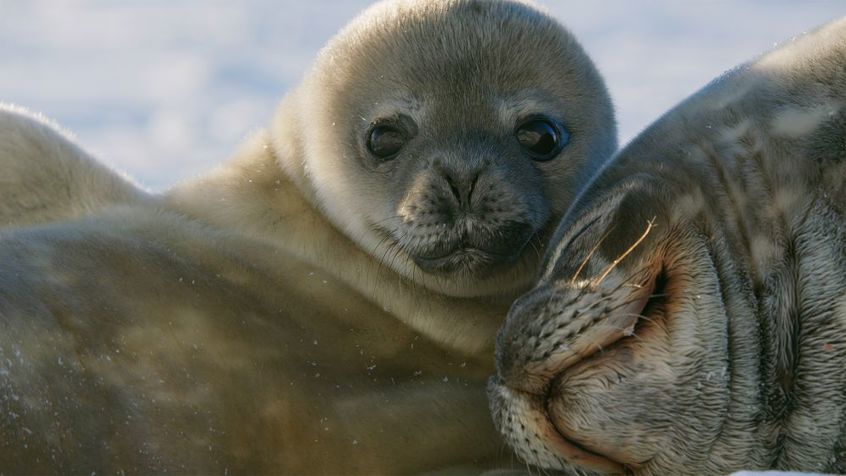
(690, 318)
(256, 320)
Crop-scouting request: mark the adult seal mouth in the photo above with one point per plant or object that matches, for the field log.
(689, 318)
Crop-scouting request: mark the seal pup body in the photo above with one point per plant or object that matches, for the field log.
(325, 302)
(242, 358)
(45, 176)
(690, 316)
(462, 210)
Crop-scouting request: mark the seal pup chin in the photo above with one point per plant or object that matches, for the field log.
(326, 302)
(689, 317)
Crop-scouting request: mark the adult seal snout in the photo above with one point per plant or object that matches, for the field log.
(690, 316)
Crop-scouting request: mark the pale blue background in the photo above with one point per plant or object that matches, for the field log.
(164, 89)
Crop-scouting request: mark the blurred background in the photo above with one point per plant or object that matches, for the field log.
(165, 89)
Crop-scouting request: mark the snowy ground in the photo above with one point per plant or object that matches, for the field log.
(164, 89)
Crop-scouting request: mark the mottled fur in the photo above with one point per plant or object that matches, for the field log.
(719, 342)
(256, 320)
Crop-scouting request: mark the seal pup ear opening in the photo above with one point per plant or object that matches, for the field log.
(447, 138)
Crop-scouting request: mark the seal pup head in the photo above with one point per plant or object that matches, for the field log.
(447, 137)
(690, 318)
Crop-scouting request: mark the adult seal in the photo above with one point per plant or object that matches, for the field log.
(690, 316)
(326, 301)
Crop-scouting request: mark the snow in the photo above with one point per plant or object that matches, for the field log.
(166, 89)
(773, 473)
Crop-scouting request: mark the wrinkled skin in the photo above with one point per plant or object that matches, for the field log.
(690, 317)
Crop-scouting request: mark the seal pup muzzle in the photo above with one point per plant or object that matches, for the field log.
(690, 316)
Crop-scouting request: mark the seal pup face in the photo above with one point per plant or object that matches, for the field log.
(690, 318)
(447, 137)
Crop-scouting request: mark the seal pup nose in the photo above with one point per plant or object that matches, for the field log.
(462, 184)
(462, 190)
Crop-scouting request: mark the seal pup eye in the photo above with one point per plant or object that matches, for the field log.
(542, 138)
(385, 141)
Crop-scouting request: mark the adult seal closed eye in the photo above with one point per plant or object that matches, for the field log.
(690, 315)
(326, 301)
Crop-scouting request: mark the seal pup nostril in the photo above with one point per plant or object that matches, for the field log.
(461, 184)
(472, 188)
(459, 197)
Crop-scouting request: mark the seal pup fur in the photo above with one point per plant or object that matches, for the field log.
(459, 197)
(690, 315)
(327, 301)
(45, 176)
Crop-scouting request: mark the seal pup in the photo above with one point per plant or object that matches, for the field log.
(327, 301)
(45, 176)
(690, 315)
(443, 148)
(458, 155)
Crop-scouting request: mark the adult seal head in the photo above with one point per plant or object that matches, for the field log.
(446, 138)
(690, 316)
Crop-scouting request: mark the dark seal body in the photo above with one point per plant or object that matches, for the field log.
(691, 317)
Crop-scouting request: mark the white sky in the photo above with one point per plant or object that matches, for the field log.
(165, 89)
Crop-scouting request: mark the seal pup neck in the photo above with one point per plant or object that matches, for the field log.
(243, 193)
(428, 154)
